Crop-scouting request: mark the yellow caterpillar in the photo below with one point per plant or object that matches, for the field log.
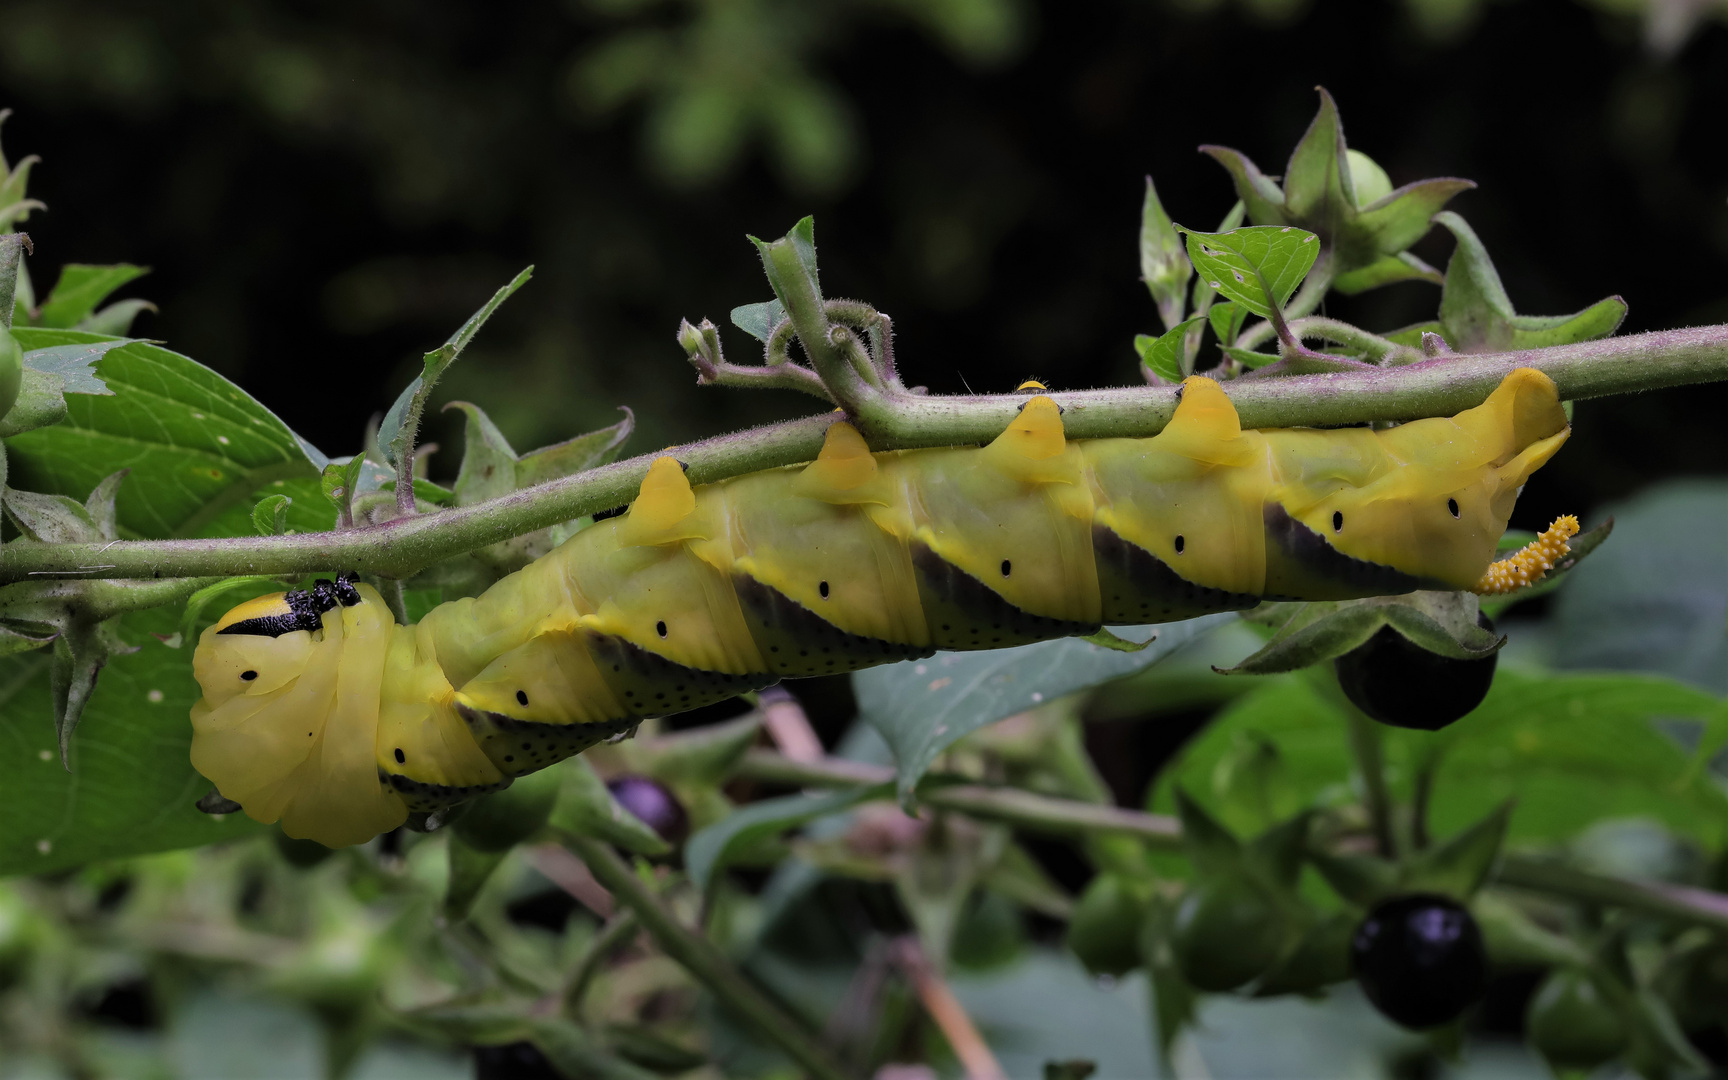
(321, 712)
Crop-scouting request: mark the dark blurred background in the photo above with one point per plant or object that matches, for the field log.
(326, 189)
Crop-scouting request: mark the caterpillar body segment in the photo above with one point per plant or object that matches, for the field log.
(857, 558)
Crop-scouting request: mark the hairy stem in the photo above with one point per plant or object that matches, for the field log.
(892, 420)
(700, 957)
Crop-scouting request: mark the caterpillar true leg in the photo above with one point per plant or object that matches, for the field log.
(858, 558)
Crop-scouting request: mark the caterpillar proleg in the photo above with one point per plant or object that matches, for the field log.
(323, 713)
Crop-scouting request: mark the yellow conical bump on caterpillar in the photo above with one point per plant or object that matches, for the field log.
(666, 497)
(845, 462)
(1030, 384)
(1531, 563)
(338, 723)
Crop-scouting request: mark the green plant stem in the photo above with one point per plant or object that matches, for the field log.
(617, 931)
(1373, 346)
(703, 960)
(891, 419)
(1064, 817)
(1371, 764)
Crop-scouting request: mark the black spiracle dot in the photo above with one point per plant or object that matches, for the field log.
(401, 758)
(248, 676)
(1181, 542)
(521, 697)
(660, 628)
(823, 589)
(1337, 520)
(1007, 567)
(1452, 505)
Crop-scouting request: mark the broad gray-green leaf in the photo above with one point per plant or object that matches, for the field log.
(132, 786)
(81, 289)
(401, 423)
(1163, 354)
(41, 403)
(1257, 266)
(922, 706)
(1164, 264)
(201, 451)
(759, 320)
(1248, 358)
(710, 850)
(1443, 623)
(74, 364)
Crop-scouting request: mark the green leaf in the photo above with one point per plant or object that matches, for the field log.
(1402, 218)
(1387, 270)
(74, 364)
(759, 320)
(401, 424)
(1261, 197)
(340, 483)
(270, 516)
(1477, 316)
(1227, 320)
(51, 519)
(573, 456)
(585, 807)
(201, 451)
(1573, 749)
(1459, 865)
(1163, 354)
(1104, 639)
(1164, 264)
(488, 463)
(922, 706)
(80, 290)
(1440, 622)
(1248, 358)
(1317, 180)
(115, 319)
(1360, 879)
(712, 849)
(132, 785)
(1174, 1002)
(1258, 266)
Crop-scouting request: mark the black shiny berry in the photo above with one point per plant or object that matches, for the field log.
(658, 808)
(1420, 959)
(1398, 682)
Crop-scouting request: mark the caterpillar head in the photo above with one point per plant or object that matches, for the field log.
(288, 723)
(1439, 507)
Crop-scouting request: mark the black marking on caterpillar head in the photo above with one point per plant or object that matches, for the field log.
(306, 608)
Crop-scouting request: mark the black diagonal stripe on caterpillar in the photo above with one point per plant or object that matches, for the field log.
(697, 594)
